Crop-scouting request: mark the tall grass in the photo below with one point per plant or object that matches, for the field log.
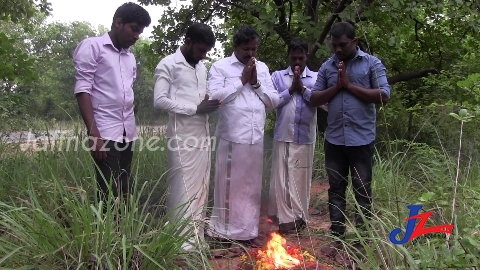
(50, 218)
(415, 173)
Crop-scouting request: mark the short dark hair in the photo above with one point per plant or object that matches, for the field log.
(200, 32)
(131, 12)
(298, 44)
(343, 28)
(245, 34)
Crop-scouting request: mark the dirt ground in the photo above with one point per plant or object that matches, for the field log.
(310, 239)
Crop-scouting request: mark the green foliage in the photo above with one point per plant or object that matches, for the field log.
(16, 61)
(413, 173)
(15, 64)
(50, 219)
(22, 10)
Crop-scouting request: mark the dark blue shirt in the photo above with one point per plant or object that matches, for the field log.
(351, 121)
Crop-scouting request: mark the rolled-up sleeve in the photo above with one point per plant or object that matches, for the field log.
(379, 78)
(161, 97)
(85, 63)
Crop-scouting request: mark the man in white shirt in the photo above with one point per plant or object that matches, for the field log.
(245, 89)
(181, 89)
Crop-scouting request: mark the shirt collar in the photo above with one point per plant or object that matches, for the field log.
(108, 41)
(359, 54)
(234, 59)
(179, 58)
(306, 72)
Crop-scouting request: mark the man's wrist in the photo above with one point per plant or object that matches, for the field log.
(94, 133)
(256, 85)
(291, 90)
(303, 89)
(349, 86)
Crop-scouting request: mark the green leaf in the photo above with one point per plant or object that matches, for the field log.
(454, 115)
(391, 41)
(426, 196)
(463, 113)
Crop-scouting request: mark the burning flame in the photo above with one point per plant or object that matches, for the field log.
(275, 256)
(277, 253)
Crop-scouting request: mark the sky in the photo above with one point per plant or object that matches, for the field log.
(100, 12)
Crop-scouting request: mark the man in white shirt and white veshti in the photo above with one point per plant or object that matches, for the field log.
(245, 89)
(181, 89)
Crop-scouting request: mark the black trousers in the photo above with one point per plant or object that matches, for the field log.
(115, 169)
(341, 160)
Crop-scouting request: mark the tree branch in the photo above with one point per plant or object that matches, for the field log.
(359, 10)
(210, 13)
(412, 75)
(311, 9)
(417, 22)
(341, 7)
(282, 18)
(253, 12)
(279, 28)
(290, 6)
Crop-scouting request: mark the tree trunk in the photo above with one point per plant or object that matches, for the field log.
(410, 126)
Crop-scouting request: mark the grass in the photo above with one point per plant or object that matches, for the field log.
(415, 173)
(49, 218)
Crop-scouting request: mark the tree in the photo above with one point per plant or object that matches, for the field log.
(53, 46)
(16, 18)
(414, 39)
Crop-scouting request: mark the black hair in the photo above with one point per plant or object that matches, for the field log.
(245, 34)
(343, 28)
(131, 12)
(298, 44)
(200, 32)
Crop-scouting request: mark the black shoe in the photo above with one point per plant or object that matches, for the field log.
(252, 243)
(292, 227)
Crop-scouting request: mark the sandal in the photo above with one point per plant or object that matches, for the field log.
(236, 250)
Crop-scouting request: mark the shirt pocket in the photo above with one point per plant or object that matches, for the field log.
(361, 77)
(230, 80)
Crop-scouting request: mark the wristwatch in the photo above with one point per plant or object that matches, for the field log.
(257, 85)
(303, 89)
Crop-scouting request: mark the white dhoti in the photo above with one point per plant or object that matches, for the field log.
(238, 191)
(290, 181)
(188, 184)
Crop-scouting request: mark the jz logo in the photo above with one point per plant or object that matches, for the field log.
(414, 230)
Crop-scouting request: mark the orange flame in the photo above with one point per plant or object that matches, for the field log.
(277, 253)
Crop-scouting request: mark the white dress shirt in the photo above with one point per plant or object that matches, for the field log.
(242, 113)
(179, 89)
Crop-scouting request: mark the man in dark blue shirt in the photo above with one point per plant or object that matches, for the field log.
(351, 82)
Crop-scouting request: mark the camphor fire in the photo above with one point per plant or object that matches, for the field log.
(276, 255)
